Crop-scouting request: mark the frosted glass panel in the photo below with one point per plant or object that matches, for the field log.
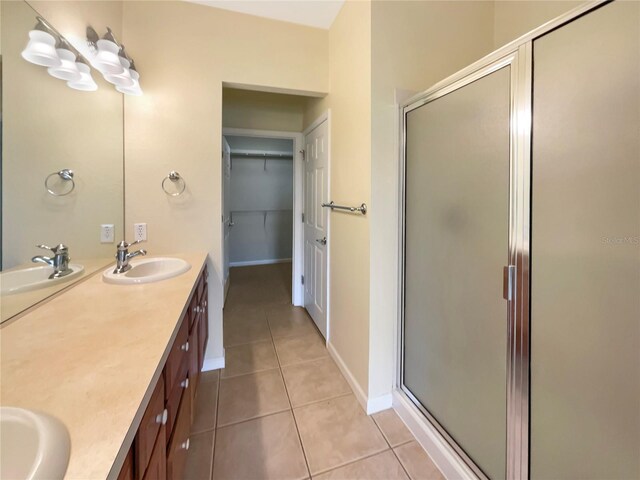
(585, 290)
(455, 330)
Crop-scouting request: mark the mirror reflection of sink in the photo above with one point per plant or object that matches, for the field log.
(33, 278)
(32, 445)
(147, 270)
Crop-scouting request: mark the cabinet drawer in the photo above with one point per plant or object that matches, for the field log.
(173, 401)
(177, 451)
(178, 352)
(193, 311)
(157, 469)
(126, 472)
(150, 426)
(194, 364)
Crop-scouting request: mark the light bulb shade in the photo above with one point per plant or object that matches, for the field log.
(68, 70)
(107, 59)
(135, 90)
(86, 82)
(122, 79)
(41, 49)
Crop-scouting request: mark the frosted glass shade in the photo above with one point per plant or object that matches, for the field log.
(107, 59)
(68, 70)
(41, 49)
(122, 79)
(86, 82)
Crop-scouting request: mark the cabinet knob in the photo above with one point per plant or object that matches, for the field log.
(185, 445)
(185, 383)
(205, 304)
(185, 347)
(195, 309)
(163, 417)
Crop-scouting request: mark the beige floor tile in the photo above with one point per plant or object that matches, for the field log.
(209, 376)
(288, 321)
(199, 457)
(246, 329)
(314, 381)
(417, 463)
(205, 406)
(393, 429)
(264, 448)
(383, 466)
(249, 358)
(337, 432)
(300, 348)
(251, 396)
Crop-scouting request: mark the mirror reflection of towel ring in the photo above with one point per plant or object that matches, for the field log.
(175, 178)
(65, 174)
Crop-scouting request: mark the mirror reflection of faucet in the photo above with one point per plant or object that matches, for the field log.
(123, 256)
(59, 261)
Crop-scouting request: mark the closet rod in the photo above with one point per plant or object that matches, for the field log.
(262, 155)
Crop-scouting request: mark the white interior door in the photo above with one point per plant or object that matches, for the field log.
(316, 191)
(226, 216)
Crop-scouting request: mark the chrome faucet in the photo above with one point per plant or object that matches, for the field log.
(123, 256)
(59, 262)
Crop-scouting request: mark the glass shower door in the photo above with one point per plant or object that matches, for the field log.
(457, 171)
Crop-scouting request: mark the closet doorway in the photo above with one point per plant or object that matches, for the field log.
(261, 201)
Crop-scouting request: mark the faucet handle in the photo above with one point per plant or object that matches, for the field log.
(60, 248)
(123, 245)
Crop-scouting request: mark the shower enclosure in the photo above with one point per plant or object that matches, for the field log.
(520, 319)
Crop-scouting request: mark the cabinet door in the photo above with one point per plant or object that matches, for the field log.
(126, 472)
(150, 426)
(179, 445)
(157, 469)
(178, 353)
(585, 244)
(175, 397)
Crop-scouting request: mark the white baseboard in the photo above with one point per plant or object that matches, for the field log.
(378, 404)
(355, 386)
(213, 363)
(369, 405)
(443, 455)
(269, 261)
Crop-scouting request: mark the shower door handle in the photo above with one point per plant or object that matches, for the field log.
(508, 281)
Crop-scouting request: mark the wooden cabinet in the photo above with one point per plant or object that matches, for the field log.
(159, 450)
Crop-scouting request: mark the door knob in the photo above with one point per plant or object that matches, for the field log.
(322, 241)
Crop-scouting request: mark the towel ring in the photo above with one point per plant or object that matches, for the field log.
(65, 174)
(174, 177)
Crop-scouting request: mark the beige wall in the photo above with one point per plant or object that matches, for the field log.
(48, 126)
(515, 18)
(350, 183)
(262, 110)
(184, 53)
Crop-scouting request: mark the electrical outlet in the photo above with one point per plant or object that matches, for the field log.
(140, 231)
(107, 233)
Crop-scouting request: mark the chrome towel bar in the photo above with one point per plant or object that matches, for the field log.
(361, 209)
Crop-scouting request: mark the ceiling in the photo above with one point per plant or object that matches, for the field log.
(313, 13)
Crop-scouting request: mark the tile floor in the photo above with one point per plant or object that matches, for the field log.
(281, 409)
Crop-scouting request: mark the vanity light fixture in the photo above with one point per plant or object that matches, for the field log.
(41, 49)
(67, 70)
(113, 62)
(86, 82)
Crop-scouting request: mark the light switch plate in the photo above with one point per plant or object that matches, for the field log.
(107, 233)
(140, 232)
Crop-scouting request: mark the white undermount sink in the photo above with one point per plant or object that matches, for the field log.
(147, 270)
(32, 445)
(33, 278)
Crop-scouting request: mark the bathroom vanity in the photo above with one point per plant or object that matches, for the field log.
(118, 365)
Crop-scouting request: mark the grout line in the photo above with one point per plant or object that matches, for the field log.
(250, 373)
(391, 447)
(314, 402)
(302, 362)
(350, 462)
(215, 428)
(286, 390)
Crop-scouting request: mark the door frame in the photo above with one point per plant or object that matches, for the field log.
(445, 453)
(324, 116)
(297, 253)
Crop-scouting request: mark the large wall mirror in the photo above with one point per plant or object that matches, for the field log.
(62, 161)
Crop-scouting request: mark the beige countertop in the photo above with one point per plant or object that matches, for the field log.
(90, 357)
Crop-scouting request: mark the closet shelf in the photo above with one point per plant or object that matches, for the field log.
(264, 213)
